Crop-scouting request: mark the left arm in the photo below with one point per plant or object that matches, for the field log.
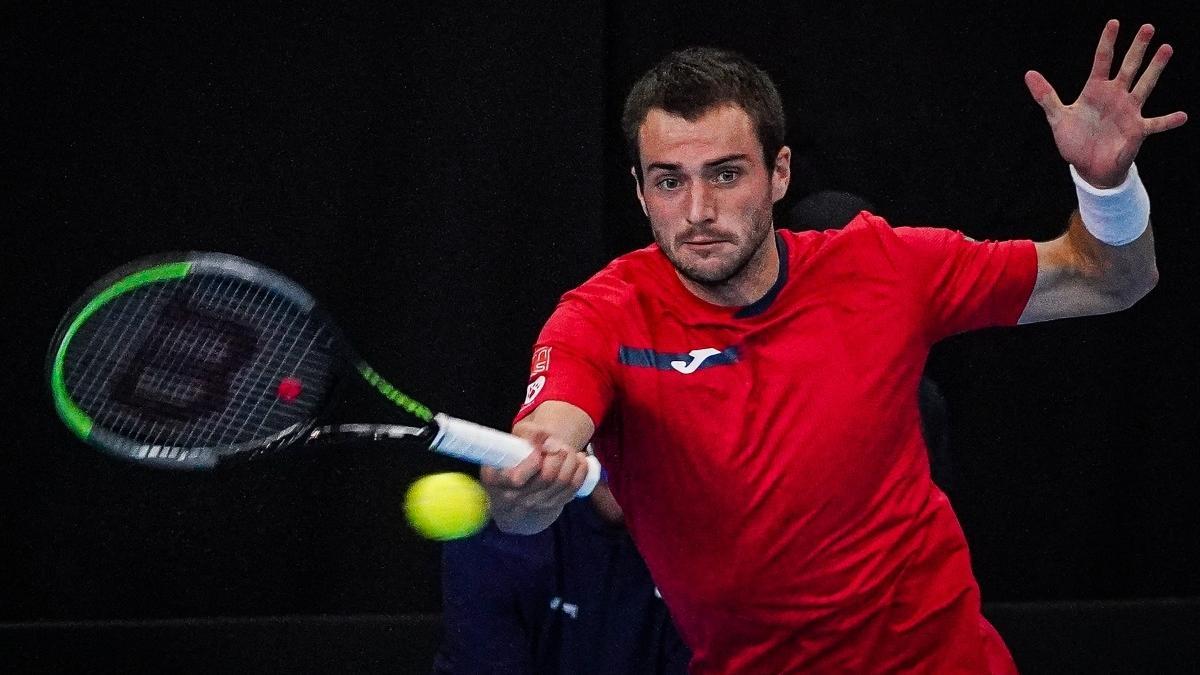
(1105, 261)
(1079, 275)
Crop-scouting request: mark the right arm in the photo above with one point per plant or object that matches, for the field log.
(529, 497)
(571, 387)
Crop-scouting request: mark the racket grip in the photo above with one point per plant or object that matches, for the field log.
(484, 445)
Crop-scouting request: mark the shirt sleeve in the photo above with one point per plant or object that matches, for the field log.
(964, 284)
(572, 359)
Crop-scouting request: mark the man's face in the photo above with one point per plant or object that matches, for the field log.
(707, 191)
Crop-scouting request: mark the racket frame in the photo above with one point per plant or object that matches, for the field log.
(167, 267)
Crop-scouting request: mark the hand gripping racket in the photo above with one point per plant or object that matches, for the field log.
(184, 361)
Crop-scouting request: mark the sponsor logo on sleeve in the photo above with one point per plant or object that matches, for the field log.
(541, 360)
(534, 388)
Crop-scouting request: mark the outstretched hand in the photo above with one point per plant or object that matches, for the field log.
(1101, 132)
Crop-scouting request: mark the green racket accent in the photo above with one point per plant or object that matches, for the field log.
(393, 394)
(75, 418)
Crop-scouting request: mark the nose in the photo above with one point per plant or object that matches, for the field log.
(701, 207)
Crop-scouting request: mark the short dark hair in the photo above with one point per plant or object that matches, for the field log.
(690, 82)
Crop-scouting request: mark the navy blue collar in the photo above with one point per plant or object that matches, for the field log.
(759, 306)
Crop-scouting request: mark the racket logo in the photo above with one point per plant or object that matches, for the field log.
(212, 349)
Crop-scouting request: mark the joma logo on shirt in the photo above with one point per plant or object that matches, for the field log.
(686, 363)
(699, 356)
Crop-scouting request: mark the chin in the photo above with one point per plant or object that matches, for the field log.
(708, 276)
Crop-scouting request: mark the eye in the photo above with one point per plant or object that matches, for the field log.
(727, 175)
(668, 183)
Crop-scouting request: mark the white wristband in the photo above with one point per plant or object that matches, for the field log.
(1115, 216)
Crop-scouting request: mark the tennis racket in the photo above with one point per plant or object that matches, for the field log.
(185, 361)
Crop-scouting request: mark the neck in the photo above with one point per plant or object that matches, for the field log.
(748, 285)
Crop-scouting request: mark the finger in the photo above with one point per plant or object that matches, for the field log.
(1043, 93)
(1102, 63)
(1133, 58)
(1157, 125)
(515, 476)
(549, 480)
(569, 475)
(1145, 84)
(581, 474)
(567, 469)
(570, 478)
(551, 464)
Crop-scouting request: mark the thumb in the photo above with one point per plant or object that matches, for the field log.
(1043, 93)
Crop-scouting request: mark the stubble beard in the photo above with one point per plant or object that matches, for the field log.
(722, 275)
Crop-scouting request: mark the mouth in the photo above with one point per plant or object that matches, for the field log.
(704, 244)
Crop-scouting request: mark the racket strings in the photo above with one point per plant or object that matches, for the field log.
(124, 323)
(122, 330)
(294, 368)
(190, 388)
(112, 330)
(180, 375)
(253, 411)
(228, 427)
(163, 380)
(246, 402)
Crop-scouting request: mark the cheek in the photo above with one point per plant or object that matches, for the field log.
(656, 203)
(662, 212)
(762, 198)
(747, 202)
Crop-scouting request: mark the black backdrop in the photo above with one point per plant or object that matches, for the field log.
(439, 176)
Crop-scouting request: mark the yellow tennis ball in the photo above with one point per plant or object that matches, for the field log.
(445, 506)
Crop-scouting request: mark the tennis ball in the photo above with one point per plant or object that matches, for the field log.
(445, 506)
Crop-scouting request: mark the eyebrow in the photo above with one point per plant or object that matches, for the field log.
(666, 166)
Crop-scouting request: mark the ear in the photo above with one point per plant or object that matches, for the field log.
(638, 187)
(781, 175)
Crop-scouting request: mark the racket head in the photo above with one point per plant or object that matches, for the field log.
(182, 360)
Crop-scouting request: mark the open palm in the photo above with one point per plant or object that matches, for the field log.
(1101, 132)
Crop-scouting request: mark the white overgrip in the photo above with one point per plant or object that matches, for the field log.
(484, 445)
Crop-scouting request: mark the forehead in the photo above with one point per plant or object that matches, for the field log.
(720, 131)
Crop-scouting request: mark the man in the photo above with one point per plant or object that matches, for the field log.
(751, 392)
(575, 598)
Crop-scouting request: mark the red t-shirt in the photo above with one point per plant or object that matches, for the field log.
(769, 459)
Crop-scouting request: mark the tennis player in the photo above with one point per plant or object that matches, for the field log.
(750, 391)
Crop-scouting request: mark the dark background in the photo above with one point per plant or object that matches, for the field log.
(438, 176)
